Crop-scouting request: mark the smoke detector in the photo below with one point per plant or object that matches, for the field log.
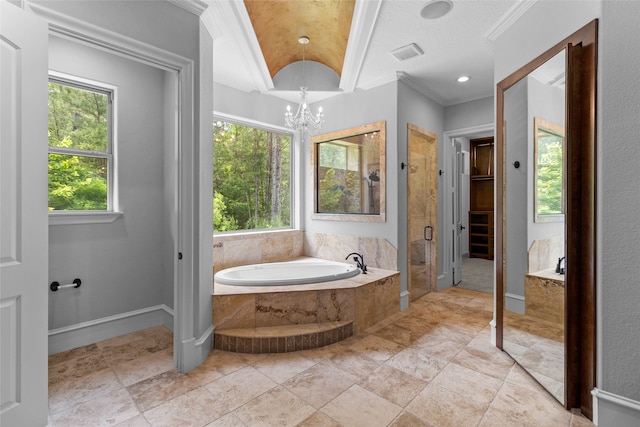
(405, 52)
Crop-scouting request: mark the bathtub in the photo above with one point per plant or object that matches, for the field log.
(297, 272)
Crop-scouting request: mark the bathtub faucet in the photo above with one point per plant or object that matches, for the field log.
(359, 259)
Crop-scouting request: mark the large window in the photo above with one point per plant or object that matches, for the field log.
(251, 178)
(80, 146)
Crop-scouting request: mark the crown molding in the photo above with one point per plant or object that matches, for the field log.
(363, 23)
(195, 7)
(79, 31)
(414, 84)
(507, 20)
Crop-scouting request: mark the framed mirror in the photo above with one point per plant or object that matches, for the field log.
(349, 174)
(548, 169)
(545, 269)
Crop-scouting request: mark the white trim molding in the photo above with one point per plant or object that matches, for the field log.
(513, 302)
(610, 409)
(90, 332)
(510, 16)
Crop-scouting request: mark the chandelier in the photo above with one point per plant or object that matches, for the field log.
(303, 119)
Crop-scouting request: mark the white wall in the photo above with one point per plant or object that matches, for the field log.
(618, 202)
(120, 264)
(548, 103)
(157, 23)
(343, 112)
(516, 150)
(469, 114)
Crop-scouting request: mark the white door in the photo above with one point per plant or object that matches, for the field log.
(23, 218)
(456, 220)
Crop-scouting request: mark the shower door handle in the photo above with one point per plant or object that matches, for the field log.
(424, 232)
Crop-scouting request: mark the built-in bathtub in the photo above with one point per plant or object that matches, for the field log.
(297, 272)
(272, 318)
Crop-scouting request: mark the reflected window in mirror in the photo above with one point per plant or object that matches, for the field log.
(349, 174)
(549, 171)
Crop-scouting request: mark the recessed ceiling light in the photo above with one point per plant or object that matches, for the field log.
(435, 9)
(463, 79)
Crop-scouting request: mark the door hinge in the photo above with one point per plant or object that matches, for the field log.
(179, 255)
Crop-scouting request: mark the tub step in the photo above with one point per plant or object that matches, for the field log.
(282, 339)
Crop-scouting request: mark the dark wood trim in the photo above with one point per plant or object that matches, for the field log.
(580, 289)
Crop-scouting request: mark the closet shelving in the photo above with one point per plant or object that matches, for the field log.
(481, 218)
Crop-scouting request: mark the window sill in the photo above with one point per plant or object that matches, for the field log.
(76, 218)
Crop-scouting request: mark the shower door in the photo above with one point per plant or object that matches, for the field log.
(422, 211)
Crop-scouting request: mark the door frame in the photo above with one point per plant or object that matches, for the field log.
(446, 277)
(191, 345)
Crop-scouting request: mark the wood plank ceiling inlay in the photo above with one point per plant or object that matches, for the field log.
(279, 23)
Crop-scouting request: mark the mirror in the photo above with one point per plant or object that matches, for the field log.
(548, 143)
(545, 270)
(533, 328)
(349, 174)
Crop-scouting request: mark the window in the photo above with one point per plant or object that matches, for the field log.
(251, 178)
(549, 171)
(80, 146)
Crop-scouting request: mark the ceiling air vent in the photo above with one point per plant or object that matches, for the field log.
(405, 52)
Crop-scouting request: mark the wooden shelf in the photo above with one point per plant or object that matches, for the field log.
(481, 228)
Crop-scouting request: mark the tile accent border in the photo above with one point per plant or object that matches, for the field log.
(227, 340)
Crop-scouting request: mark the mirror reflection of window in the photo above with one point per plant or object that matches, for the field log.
(549, 171)
(348, 174)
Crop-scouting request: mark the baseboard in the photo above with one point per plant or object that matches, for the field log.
(404, 300)
(514, 302)
(195, 351)
(613, 410)
(90, 332)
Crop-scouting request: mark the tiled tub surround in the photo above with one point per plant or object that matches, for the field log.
(260, 316)
(544, 296)
(232, 250)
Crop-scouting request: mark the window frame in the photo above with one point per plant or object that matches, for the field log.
(294, 161)
(67, 217)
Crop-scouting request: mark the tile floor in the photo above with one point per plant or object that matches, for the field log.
(430, 365)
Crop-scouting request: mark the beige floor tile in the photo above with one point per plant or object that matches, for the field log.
(281, 367)
(145, 367)
(217, 365)
(191, 409)
(85, 362)
(394, 385)
(319, 419)
(407, 419)
(360, 407)
(439, 347)
(375, 348)
(229, 420)
(107, 410)
(157, 390)
(517, 405)
(434, 359)
(65, 394)
(398, 335)
(477, 386)
(490, 361)
(276, 407)
(237, 388)
(74, 353)
(138, 421)
(353, 363)
(579, 420)
(442, 407)
(416, 363)
(320, 383)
